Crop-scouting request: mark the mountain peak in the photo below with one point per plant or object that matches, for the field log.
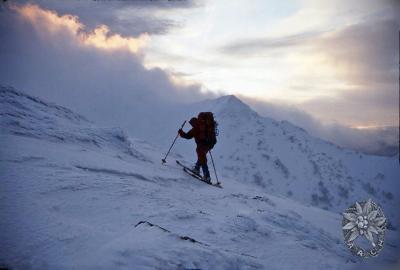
(229, 99)
(232, 105)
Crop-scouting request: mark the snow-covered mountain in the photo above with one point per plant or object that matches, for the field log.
(282, 158)
(74, 195)
(285, 160)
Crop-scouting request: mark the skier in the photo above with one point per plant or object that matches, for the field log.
(204, 133)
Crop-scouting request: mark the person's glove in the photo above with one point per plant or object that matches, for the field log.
(180, 131)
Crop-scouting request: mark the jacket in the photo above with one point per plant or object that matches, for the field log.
(192, 133)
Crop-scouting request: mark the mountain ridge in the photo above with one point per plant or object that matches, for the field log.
(91, 204)
(286, 160)
(279, 157)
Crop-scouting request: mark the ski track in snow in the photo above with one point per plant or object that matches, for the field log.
(77, 196)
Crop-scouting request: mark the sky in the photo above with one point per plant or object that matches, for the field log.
(337, 60)
(334, 62)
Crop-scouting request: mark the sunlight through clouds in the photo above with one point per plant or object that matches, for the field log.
(303, 53)
(100, 37)
(333, 59)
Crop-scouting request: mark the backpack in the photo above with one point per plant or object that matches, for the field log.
(208, 131)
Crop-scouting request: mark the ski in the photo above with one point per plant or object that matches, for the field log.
(195, 175)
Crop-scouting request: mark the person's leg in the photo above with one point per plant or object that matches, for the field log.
(196, 167)
(202, 160)
(201, 151)
(206, 172)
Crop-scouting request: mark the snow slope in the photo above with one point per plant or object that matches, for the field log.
(77, 196)
(284, 159)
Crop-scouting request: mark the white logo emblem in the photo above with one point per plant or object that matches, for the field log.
(364, 220)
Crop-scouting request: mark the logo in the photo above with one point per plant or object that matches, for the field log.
(364, 226)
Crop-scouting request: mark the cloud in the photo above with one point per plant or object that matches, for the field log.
(364, 53)
(348, 75)
(100, 37)
(94, 71)
(255, 46)
(364, 57)
(375, 106)
(379, 140)
(124, 17)
(60, 59)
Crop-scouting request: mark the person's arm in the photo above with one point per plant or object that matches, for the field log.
(189, 135)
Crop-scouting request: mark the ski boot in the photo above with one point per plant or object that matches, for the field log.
(207, 179)
(196, 169)
(206, 174)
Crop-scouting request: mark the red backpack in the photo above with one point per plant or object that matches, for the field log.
(208, 131)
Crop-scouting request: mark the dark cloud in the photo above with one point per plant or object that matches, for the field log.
(129, 18)
(112, 87)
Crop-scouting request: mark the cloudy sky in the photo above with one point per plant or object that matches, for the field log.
(334, 61)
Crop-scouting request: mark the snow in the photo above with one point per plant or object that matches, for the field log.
(74, 195)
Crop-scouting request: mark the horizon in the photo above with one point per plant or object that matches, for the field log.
(368, 146)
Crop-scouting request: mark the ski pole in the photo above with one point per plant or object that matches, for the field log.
(215, 171)
(176, 137)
